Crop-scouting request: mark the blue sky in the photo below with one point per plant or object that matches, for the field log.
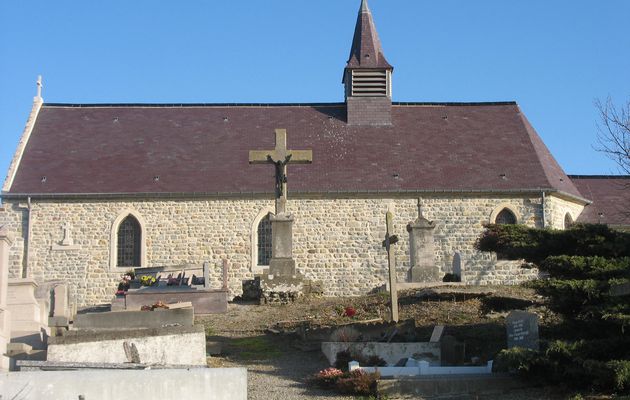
(553, 57)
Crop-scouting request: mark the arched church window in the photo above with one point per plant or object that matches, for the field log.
(568, 221)
(505, 217)
(129, 237)
(264, 240)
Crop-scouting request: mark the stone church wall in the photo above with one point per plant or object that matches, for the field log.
(556, 209)
(336, 241)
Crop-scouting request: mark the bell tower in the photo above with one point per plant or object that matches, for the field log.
(368, 76)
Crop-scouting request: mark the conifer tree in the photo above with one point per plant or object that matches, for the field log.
(587, 283)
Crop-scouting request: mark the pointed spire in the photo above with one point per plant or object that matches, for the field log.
(366, 49)
(364, 6)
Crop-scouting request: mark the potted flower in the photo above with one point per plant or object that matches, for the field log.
(124, 284)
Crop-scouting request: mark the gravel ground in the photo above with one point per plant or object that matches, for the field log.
(275, 370)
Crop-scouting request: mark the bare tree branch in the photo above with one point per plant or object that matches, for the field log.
(613, 132)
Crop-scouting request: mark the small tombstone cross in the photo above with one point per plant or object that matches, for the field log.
(206, 275)
(224, 270)
(67, 235)
(391, 239)
(280, 157)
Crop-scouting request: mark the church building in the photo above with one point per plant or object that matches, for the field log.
(96, 189)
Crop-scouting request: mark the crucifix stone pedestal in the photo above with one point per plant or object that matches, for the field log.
(282, 262)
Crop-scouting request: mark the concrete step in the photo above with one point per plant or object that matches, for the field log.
(36, 339)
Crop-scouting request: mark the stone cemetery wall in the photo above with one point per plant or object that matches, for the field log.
(337, 241)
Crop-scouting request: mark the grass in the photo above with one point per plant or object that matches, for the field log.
(255, 348)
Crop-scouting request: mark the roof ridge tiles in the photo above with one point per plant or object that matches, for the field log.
(599, 176)
(269, 105)
(184, 105)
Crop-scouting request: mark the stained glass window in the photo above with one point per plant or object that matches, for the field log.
(568, 221)
(129, 234)
(505, 217)
(264, 241)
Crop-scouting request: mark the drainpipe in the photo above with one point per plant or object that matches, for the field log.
(27, 246)
(544, 224)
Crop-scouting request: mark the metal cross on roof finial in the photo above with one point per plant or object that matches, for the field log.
(39, 86)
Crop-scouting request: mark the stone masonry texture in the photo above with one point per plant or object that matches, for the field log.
(337, 241)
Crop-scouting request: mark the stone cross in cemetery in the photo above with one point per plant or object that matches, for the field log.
(281, 262)
(391, 239)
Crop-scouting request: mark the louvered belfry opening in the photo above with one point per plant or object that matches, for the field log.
(369, 83)
(129, 235)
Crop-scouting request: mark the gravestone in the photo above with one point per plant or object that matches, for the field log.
(436, 336)
(522, 330)
(453, 352)
(60, 307)
(422, 249)
(457, 266)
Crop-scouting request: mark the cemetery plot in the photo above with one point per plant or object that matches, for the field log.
(176, 284)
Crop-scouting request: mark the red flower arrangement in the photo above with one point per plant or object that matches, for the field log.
(349, 312)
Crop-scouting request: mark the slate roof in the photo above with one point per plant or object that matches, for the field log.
(114, 149)
(611, 199)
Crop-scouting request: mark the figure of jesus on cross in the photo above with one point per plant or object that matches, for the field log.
(280, 157)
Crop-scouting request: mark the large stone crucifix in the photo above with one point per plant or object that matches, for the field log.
(280, 157)
(281, 263)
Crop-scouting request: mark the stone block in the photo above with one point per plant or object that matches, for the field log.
(203, 301)
(134, 319)
(58, 321)
(190, 384)
(436, 335)
(164, 346)
(61, 301)
(282, 236)
(390, 352)
(36, 339)
(24, 307)
(282, 267)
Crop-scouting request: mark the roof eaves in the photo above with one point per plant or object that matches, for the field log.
(26, 135)
(405, 193)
